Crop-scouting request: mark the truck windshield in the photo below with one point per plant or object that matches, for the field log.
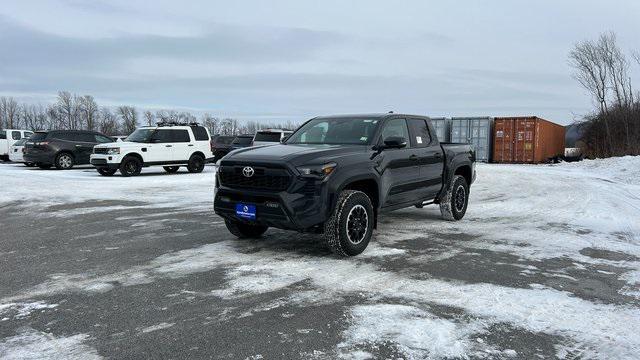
(141, 135)
(336, 131)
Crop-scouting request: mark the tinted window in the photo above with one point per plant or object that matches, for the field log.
(3, 134)
(64, 136)
(395, 127)
(141, 135)
(200, 133)
(27, 134)
(102, 138)
(161, 136)
(85, 137)
(335, 131)
(419, 133)
(180, 135)
(268, 136)
(39, 136)
(15, 135)
(243, 140)
(224, 140)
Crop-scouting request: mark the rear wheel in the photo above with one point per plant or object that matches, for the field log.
(64, 161)
(171, 169)
(195, 164)
(349, 229)
(243, 230)
(130, 166)
(454, 204)
(106, 172)
(44, 166)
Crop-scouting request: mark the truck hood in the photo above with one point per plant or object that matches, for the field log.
(294, 154)
(121, 144)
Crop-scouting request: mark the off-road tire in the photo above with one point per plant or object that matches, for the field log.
(451, 206)
(335, 229)
(44, 166)
(106, 172)
(195, 164)
(64, 161)
(171, 169)
(245, 231)
(130, 166)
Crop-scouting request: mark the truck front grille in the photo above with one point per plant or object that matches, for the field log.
(100, 151)
(274, 179)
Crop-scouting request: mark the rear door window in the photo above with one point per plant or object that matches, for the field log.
(16, 135)
(419, 133)
(39, 136)
(27, 134)
(200, 133)
(162, 136)
(180, 136)
(268, 136)
(85, 137)
(67, 136)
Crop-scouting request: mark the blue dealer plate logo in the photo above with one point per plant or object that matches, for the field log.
(246, 211)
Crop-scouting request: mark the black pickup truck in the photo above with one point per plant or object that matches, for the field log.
(336, 175)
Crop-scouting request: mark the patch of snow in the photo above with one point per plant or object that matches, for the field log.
(24, 309)
(417, 333)
(157, 327)
(33, 344)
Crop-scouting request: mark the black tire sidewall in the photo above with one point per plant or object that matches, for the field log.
(123, 166)
(57, 162)
(195, 160)
(459, 182)
(106, 172)
(356, 198)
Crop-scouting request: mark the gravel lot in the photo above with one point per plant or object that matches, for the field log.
(546, 263)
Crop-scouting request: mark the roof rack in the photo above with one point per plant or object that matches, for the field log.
(175, 123)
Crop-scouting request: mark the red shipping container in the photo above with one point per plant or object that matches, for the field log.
(528, 140)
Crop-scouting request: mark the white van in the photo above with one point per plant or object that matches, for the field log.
(8, 137)
(270, 136)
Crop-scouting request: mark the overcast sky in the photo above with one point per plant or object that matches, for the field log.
(290, 60)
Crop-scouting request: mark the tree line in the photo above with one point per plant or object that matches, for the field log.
(82, 112)
(603, 69)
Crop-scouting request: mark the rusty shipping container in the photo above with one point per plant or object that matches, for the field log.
(528, 140)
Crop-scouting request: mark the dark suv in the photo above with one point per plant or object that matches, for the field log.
(62, 148)
(220, 146)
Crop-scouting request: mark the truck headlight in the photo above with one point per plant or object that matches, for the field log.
(317, 171)
(113, 151)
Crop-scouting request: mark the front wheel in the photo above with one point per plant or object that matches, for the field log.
(171, 169)
(130, 166)
(195, 164)
(349, 229)
(106, 172)
(454, 204)
(243, 230)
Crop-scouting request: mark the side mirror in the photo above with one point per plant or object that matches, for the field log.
(284, 139)
(394, 142)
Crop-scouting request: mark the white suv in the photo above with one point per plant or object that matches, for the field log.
(169, 145)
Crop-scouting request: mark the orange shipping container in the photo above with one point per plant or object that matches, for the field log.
(526, 140)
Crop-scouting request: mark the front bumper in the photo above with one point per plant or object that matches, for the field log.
(299, 208)
(105, 161)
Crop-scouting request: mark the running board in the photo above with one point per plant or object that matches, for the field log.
(423, 204)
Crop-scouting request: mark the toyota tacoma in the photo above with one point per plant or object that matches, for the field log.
(336, 175)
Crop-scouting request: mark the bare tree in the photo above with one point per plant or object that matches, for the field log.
(149, 118)
(211, 123)
(108, 122)
(129, 117)
(89, 111)
(8, 112)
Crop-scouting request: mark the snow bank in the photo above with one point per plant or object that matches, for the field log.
(33, 344)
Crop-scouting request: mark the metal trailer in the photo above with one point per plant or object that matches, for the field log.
(477, 131)
(442, 125)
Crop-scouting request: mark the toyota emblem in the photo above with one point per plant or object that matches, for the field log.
(245, 208)
(248, 171)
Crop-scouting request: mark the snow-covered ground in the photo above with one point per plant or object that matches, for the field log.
(550, 253)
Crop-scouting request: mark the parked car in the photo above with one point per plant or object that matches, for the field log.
(242, 141)
(62, 148)
(169, 145)
(8, 138)
(16, 153)
(270, 136)
(336, 175)
(220, 146)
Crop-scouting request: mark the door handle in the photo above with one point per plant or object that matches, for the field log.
(438, 155)
(190, 144)
(413, 157)
(168, 145)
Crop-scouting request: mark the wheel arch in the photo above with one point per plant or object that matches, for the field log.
(370, 187)
(135, 155)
